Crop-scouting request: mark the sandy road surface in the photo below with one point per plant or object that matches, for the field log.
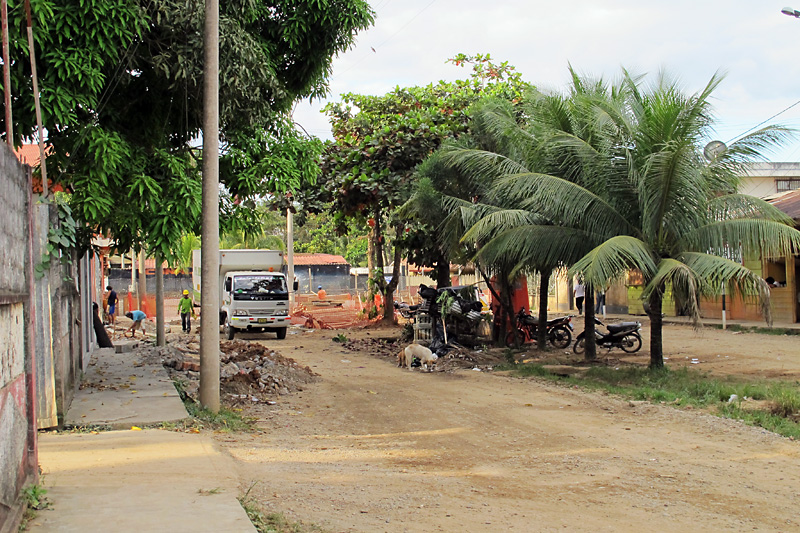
(375, 448)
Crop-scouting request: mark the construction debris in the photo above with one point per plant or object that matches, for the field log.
(248, 371)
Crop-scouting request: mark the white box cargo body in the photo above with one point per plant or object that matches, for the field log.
(254, 295)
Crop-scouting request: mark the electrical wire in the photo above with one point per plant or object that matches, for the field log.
(762, 123)
(389, 38)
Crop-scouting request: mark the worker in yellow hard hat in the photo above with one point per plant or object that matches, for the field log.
(186, 310)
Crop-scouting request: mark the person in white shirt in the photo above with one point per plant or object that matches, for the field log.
(580, 294)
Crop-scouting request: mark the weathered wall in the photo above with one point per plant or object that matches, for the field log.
(17, 424)
(45, 369)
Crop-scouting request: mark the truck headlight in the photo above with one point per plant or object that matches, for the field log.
(240, 312)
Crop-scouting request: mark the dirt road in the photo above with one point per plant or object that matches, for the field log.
(372, 447)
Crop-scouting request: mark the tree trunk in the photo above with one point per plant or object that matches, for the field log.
(380, 281)
(370, 265)
(505, 313)
(505, 291)
(442, 272)
(544, 287)
(388, 307)
(591, 340)
(656, 323)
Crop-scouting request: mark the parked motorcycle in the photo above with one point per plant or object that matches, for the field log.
(559, 330)
(624, 335)
(406, 311)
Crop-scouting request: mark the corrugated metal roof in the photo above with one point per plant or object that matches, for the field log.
(28, 154)
(789, 203)
(318, 259)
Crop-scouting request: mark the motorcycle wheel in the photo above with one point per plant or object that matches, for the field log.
(580, 344)
(630, 343)
(510, 337)
(560, 337)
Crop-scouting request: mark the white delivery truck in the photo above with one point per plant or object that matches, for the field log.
(254, 295)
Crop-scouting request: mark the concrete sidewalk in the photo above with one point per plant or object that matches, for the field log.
(134, 480)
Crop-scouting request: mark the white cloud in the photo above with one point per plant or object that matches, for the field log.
(757, 46)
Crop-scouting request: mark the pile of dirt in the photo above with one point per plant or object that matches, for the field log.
(457, 358)
(249, 372)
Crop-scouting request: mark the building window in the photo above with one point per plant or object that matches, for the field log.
(787, 184)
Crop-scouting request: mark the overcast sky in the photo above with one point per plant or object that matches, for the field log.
(756, 46)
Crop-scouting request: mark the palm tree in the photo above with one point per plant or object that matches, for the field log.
(654, 205)
(682, 214)
(559, 137)
(188, 244)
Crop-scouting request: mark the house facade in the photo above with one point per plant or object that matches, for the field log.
(777, 183)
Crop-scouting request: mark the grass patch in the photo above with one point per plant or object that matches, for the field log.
(763, 330)
(684, 387)
(35, 500)
(200, 418)
(274, 522)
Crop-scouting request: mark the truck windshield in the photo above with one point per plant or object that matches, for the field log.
(261, 284)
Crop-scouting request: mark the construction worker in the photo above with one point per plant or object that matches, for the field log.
(138, 322)
(186, 310)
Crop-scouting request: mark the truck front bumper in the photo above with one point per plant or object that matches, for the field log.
(245, 322)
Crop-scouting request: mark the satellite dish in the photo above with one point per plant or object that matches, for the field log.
(714, 149)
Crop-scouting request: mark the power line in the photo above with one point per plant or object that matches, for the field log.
(354, 65)
(762, 123)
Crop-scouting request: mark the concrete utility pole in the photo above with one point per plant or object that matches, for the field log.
(290, 255)
(209, 271)
(160, 338)
(142, 290)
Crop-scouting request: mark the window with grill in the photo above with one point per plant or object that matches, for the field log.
(787, 184)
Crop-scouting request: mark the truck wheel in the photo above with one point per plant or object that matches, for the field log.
(281, 332)
(229, 330)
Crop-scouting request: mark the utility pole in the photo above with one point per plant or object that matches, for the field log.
(209, 288)
(37, 106)
(160, 337)
(7, 74)
(142, 290)
(290, 255)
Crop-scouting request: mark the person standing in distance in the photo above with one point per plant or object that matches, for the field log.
(580, 294)
(111, 302)
(186, 310)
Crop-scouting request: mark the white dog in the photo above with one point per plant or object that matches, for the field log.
(425, 356)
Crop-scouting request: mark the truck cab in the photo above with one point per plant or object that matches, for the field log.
(253, 292)
(254, 301)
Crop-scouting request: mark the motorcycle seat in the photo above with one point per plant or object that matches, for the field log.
(622, 326)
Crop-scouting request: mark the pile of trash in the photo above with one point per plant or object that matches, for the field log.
(457, 357)
(248, 371)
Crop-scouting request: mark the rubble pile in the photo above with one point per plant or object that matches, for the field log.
(457, 357)
(248, 371)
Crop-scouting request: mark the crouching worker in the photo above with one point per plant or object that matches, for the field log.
(137, 317)
(186, 309)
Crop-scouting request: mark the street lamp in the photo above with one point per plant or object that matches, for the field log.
(791, 12)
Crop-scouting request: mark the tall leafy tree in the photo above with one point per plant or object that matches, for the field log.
(123, 87)
(380, 140)
(653, 204)
(555, 134)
